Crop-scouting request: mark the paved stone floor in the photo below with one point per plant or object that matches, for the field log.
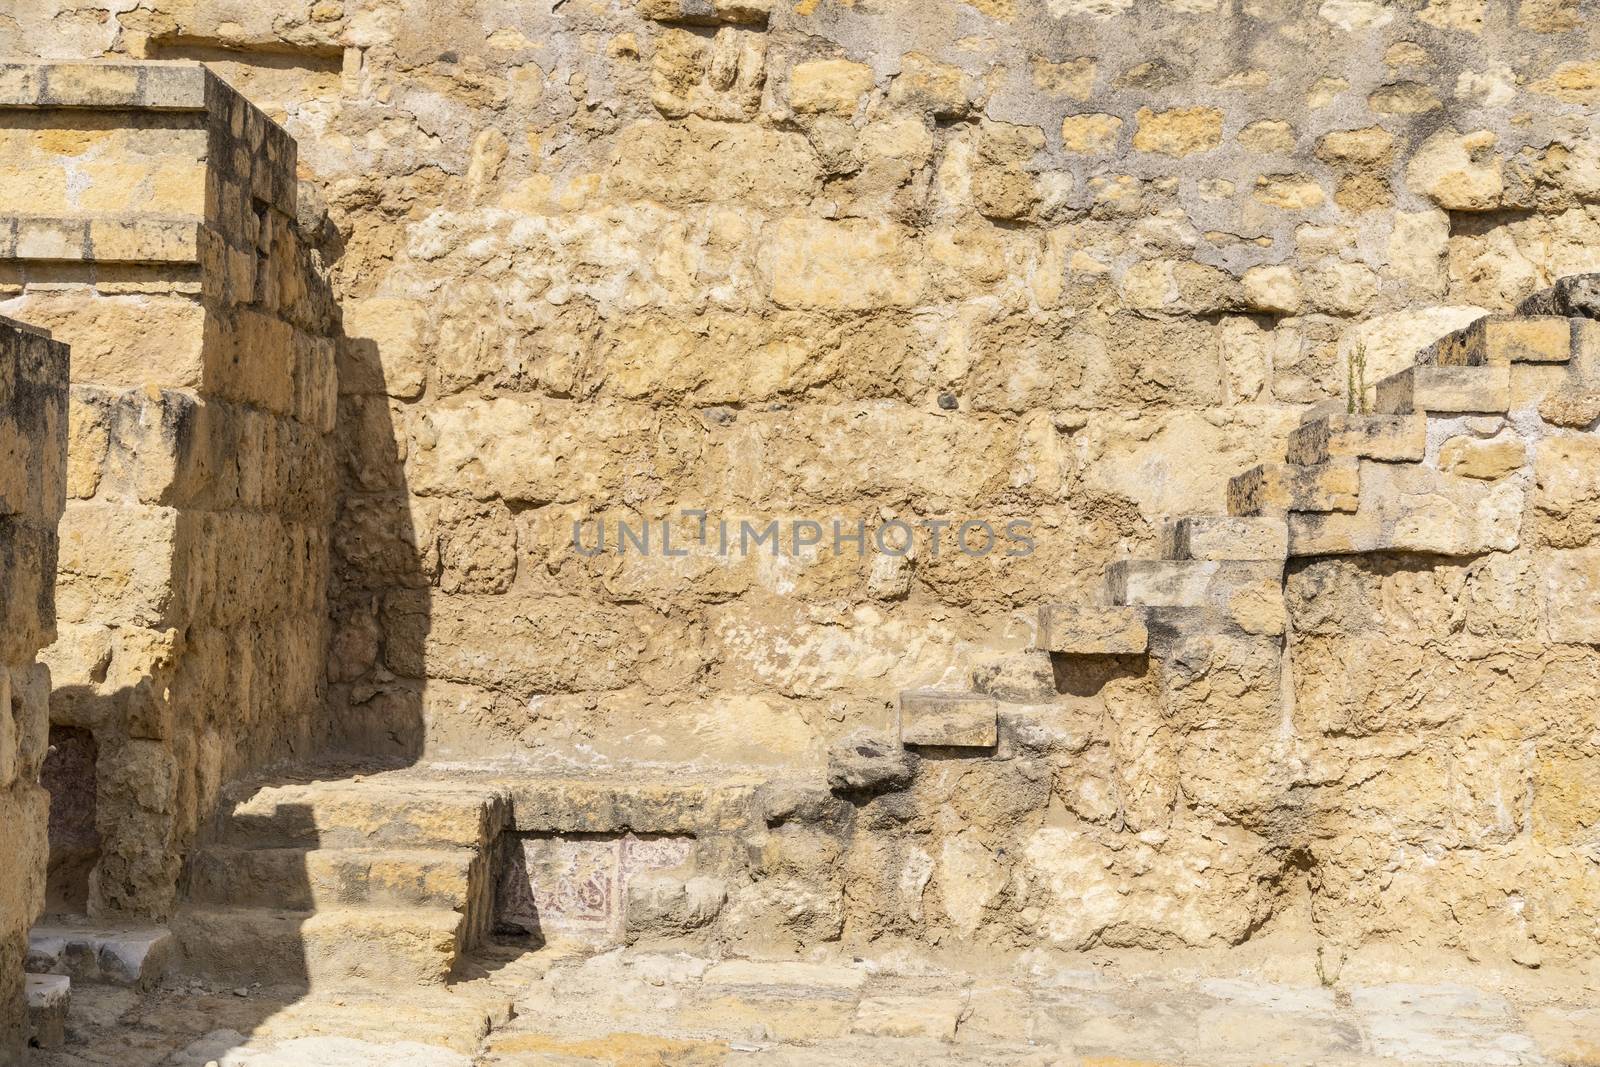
(636, 1009)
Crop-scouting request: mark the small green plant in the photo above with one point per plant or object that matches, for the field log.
(1356, 379)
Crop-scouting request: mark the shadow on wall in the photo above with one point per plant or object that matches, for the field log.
(147, 764)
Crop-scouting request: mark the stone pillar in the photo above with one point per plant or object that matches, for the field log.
(149, 219)
(33, 445)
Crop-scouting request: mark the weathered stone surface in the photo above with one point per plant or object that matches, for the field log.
(49, 1002)
(1279, 488)
(818, 261)
(1393, 438)
(867, 762)
(1089, 631)
(1414, 508)
(1445, 389)
(1497, 342)
(946, 719)
(1225, 537)
(1190, 583)
(33, 476)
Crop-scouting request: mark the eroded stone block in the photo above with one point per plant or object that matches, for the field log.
(1090, 631)
(1458, 390)
(956, 720)
(1226, 537)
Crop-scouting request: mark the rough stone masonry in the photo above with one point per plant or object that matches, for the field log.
(468, 274)
(33, 448)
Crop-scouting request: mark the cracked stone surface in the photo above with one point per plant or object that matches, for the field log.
(562, 1006)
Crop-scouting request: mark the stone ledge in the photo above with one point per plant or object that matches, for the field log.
(100, 240)
(146, 84)
(130, 956)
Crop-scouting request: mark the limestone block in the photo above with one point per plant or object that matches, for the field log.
(1457, 390)
(1487, 460)
(1191, 583)
(1226, 537)
(828, 85)
(1409, 507)
(948, 719)
(27, 603)
(137, 956)
(943, 90)
(49, 1001)
(934, 1017)
(107, 85)
(1576, 295)
(1089, 631)
(381, 351)
(122, 340)
(866, 762)
(845, 264)
(707, 12)
(1460, 172)
(249, 357)
(1393, 438)
(1178, 132)
(1572, 596)
(116, 564)
(1495, 342)
(705, 162)
(1277, 488)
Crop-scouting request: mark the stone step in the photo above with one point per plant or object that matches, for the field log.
(1577, 295)
(1499, 341)
(1279, 488)
(1078, 630)
(308, 879)
(347, 948)
(947, 718)
(1167, 583)
(1448, 390)
(137, 956)
(49, 998)
(1225, 537)
(358, 814)
(1390, 438)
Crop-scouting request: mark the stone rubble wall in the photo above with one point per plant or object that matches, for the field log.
(153, 220)
(1073, 261)
(33, 460)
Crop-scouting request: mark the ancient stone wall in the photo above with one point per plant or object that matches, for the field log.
(1070, 262)
(33, 437)
(150, 215)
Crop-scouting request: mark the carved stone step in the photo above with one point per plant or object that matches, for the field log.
(947, 718)
(1495, 341)
(137, 956)
(1225, 537)
(1391, 438)
(1167, 583)
(305, 879)
(49, 1000)
(1075, 630)
(1279, 488)
(356, 947)
(1449, 390)
(369, 814)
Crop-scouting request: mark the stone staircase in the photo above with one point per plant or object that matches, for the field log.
(347, 882)
(1373, 481)
(366, 881)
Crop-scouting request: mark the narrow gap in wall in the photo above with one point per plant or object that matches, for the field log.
(69, 776)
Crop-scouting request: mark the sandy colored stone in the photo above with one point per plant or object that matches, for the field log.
(1487, 460)
(1178, 132)
(828, 85)
(1090, 134)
